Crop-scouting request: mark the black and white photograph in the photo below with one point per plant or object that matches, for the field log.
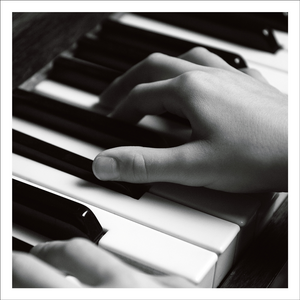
(150, 150)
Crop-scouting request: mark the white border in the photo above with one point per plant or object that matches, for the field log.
(7, 7)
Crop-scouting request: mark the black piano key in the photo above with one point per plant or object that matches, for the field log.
(275, 20)
(69, 162)
(53, 216)
(128, 36)
(109, 54)
(83, 75)
(240, 28)
(46, 225)
(19, 245)
(121, 46)
(144, 40)
(85, 124)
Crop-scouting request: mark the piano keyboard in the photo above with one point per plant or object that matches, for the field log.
(192, 232)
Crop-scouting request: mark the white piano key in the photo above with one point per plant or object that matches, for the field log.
(56, 138)
(250, 212)
(71, 95)
(181, 222)
(277, 60)
(282, 39)
(146, 246)
(276, 78)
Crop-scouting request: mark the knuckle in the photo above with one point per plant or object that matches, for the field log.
(137, 89)
(139, 168)
(71, 245)
(246, 70)
(117, 80)
(187, 82)
(198, 51)
(153, 61)
(136, 92)
(191, 87)
(190, 77)
(254, 72)
(217, 76)
(155, 57)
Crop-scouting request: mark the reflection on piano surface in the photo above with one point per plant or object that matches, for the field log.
(59, 128)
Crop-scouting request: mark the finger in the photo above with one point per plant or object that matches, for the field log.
(186, 164)
(81, 259)
(204, 57)
(154, 68)
(148, 99)
(172, 95)
(30, 272)
(255, 74)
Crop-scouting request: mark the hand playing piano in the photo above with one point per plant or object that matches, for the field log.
(239, 125)
(91, 265)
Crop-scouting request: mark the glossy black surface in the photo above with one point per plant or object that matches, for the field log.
(19, 245)
(120, 46)
(53, 216)
(247, 29)
(81, 74)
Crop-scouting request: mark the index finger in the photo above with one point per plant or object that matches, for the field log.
(155, 67)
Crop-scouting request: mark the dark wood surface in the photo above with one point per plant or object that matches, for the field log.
(265, 258)
(39, 37)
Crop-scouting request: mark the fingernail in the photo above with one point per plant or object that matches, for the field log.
(106, 168)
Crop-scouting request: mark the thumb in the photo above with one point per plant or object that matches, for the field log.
(180, 164)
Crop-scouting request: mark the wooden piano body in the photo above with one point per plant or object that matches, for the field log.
(250, 246)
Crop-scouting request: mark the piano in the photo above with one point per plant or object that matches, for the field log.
(214, 239)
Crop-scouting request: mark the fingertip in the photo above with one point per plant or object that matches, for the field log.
(37, 249)
(106, 168)
(124, 164)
